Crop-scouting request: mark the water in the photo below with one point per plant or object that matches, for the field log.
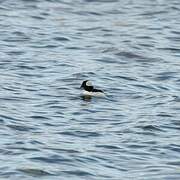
(130, 49)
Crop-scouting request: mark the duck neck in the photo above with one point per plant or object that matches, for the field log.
(88, 88)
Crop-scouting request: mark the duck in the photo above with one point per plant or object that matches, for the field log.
(89, 90)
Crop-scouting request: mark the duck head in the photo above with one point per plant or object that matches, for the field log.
(87, 85)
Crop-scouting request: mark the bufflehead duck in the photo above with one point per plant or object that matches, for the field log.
(89, 90)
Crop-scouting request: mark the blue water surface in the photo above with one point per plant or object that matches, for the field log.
(130, 49)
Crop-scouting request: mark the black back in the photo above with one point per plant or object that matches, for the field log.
(97, 90)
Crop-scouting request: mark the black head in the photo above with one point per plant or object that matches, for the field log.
(87, 85)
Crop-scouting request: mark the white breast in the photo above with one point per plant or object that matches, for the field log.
(97, 94)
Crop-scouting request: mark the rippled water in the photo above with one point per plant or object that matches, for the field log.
(130, 49)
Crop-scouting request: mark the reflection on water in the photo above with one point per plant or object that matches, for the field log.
(86, 98)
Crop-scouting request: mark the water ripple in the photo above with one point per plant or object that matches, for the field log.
(129, 49)
(35, 172)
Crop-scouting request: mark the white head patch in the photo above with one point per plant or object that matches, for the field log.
(88, 83)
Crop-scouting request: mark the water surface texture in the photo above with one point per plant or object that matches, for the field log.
(130, 49)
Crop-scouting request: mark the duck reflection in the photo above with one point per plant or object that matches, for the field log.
(86, 98)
